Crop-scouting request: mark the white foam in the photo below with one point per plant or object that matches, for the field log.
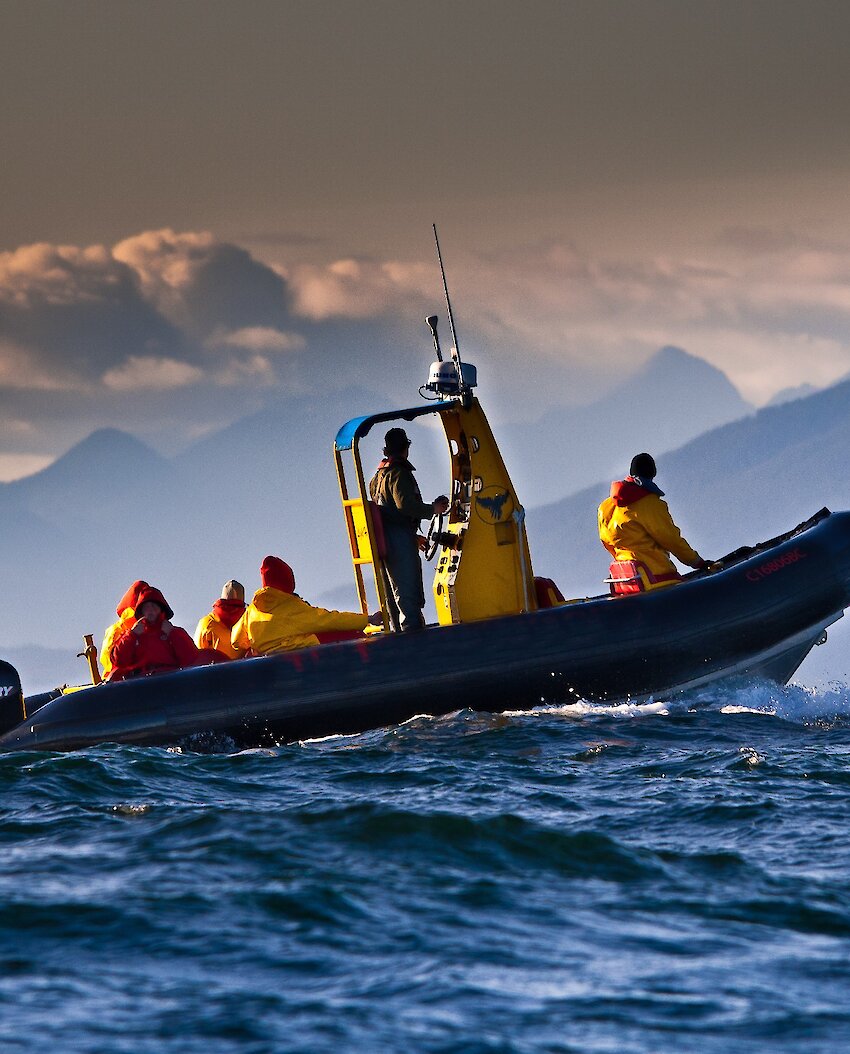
(793, 702)
(581, 708)
(646, 709)
(796, 703)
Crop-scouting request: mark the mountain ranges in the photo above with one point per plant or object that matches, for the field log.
(112, 510)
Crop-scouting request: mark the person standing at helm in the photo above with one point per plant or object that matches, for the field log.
(395, 490)
(635, 524)
(213, 631)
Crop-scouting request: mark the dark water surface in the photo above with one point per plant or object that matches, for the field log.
(653, 878)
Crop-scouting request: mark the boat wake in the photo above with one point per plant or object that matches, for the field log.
(798, 704)
(792, 702)
(795, 704)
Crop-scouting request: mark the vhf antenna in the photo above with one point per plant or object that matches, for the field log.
(441, 380)
(455, 349)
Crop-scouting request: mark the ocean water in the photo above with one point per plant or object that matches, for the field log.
(664, 877)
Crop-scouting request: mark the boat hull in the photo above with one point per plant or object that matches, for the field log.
(759, 614)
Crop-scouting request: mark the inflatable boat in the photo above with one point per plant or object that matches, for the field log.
(505, 639)
(759, 613)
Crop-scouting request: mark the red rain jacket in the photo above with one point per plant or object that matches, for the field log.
(153, 651)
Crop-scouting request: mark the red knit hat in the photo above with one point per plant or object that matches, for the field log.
(277, 574)
(154, 595)
(131, 596)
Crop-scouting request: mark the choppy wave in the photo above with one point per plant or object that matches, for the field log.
(663, 875)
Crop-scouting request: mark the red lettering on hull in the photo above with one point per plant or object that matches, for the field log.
(770, 567)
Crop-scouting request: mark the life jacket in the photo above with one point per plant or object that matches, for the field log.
(633, 576)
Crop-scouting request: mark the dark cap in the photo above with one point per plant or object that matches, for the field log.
(643, 465)
(395, 442)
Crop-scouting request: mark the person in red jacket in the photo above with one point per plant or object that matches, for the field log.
(152, 645)
(124, 611)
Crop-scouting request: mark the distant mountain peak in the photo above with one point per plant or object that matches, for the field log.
(672, 366)
(104, 444)
(672, 358)
(90, 464)
(671, 398)
(110, 438)
(672, 354)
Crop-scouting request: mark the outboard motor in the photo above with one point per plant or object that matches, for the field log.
(11, 698)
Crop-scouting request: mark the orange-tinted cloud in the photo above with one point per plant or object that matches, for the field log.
(358, 288)
(141, 373)
(157, 328)
(257, 338)
(773, 313)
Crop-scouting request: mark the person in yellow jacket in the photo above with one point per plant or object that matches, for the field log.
(213, 631)
(126, 612)
(278, 620)
(635, 524)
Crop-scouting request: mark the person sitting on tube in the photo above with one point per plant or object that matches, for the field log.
(126, 617)
(153, 644)
(213, 630)
(635, 525)
(277, 619)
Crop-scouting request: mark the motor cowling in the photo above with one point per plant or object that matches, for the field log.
(11, 697)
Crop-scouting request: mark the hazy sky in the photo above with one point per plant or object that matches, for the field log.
(205, 202)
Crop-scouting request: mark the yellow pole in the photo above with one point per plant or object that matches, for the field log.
(90, 655)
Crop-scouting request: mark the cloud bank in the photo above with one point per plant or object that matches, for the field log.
(172, 334)
(770, 308)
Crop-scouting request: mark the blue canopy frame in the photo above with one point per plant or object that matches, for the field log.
(358, 427)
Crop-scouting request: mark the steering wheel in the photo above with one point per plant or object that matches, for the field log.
(432, 539)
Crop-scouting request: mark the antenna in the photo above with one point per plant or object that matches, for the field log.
(455, 349)
(454, 379)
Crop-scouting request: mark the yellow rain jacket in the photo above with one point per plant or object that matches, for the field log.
(213, 634)
(127, 621)
(635, 524)
(278, 621)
